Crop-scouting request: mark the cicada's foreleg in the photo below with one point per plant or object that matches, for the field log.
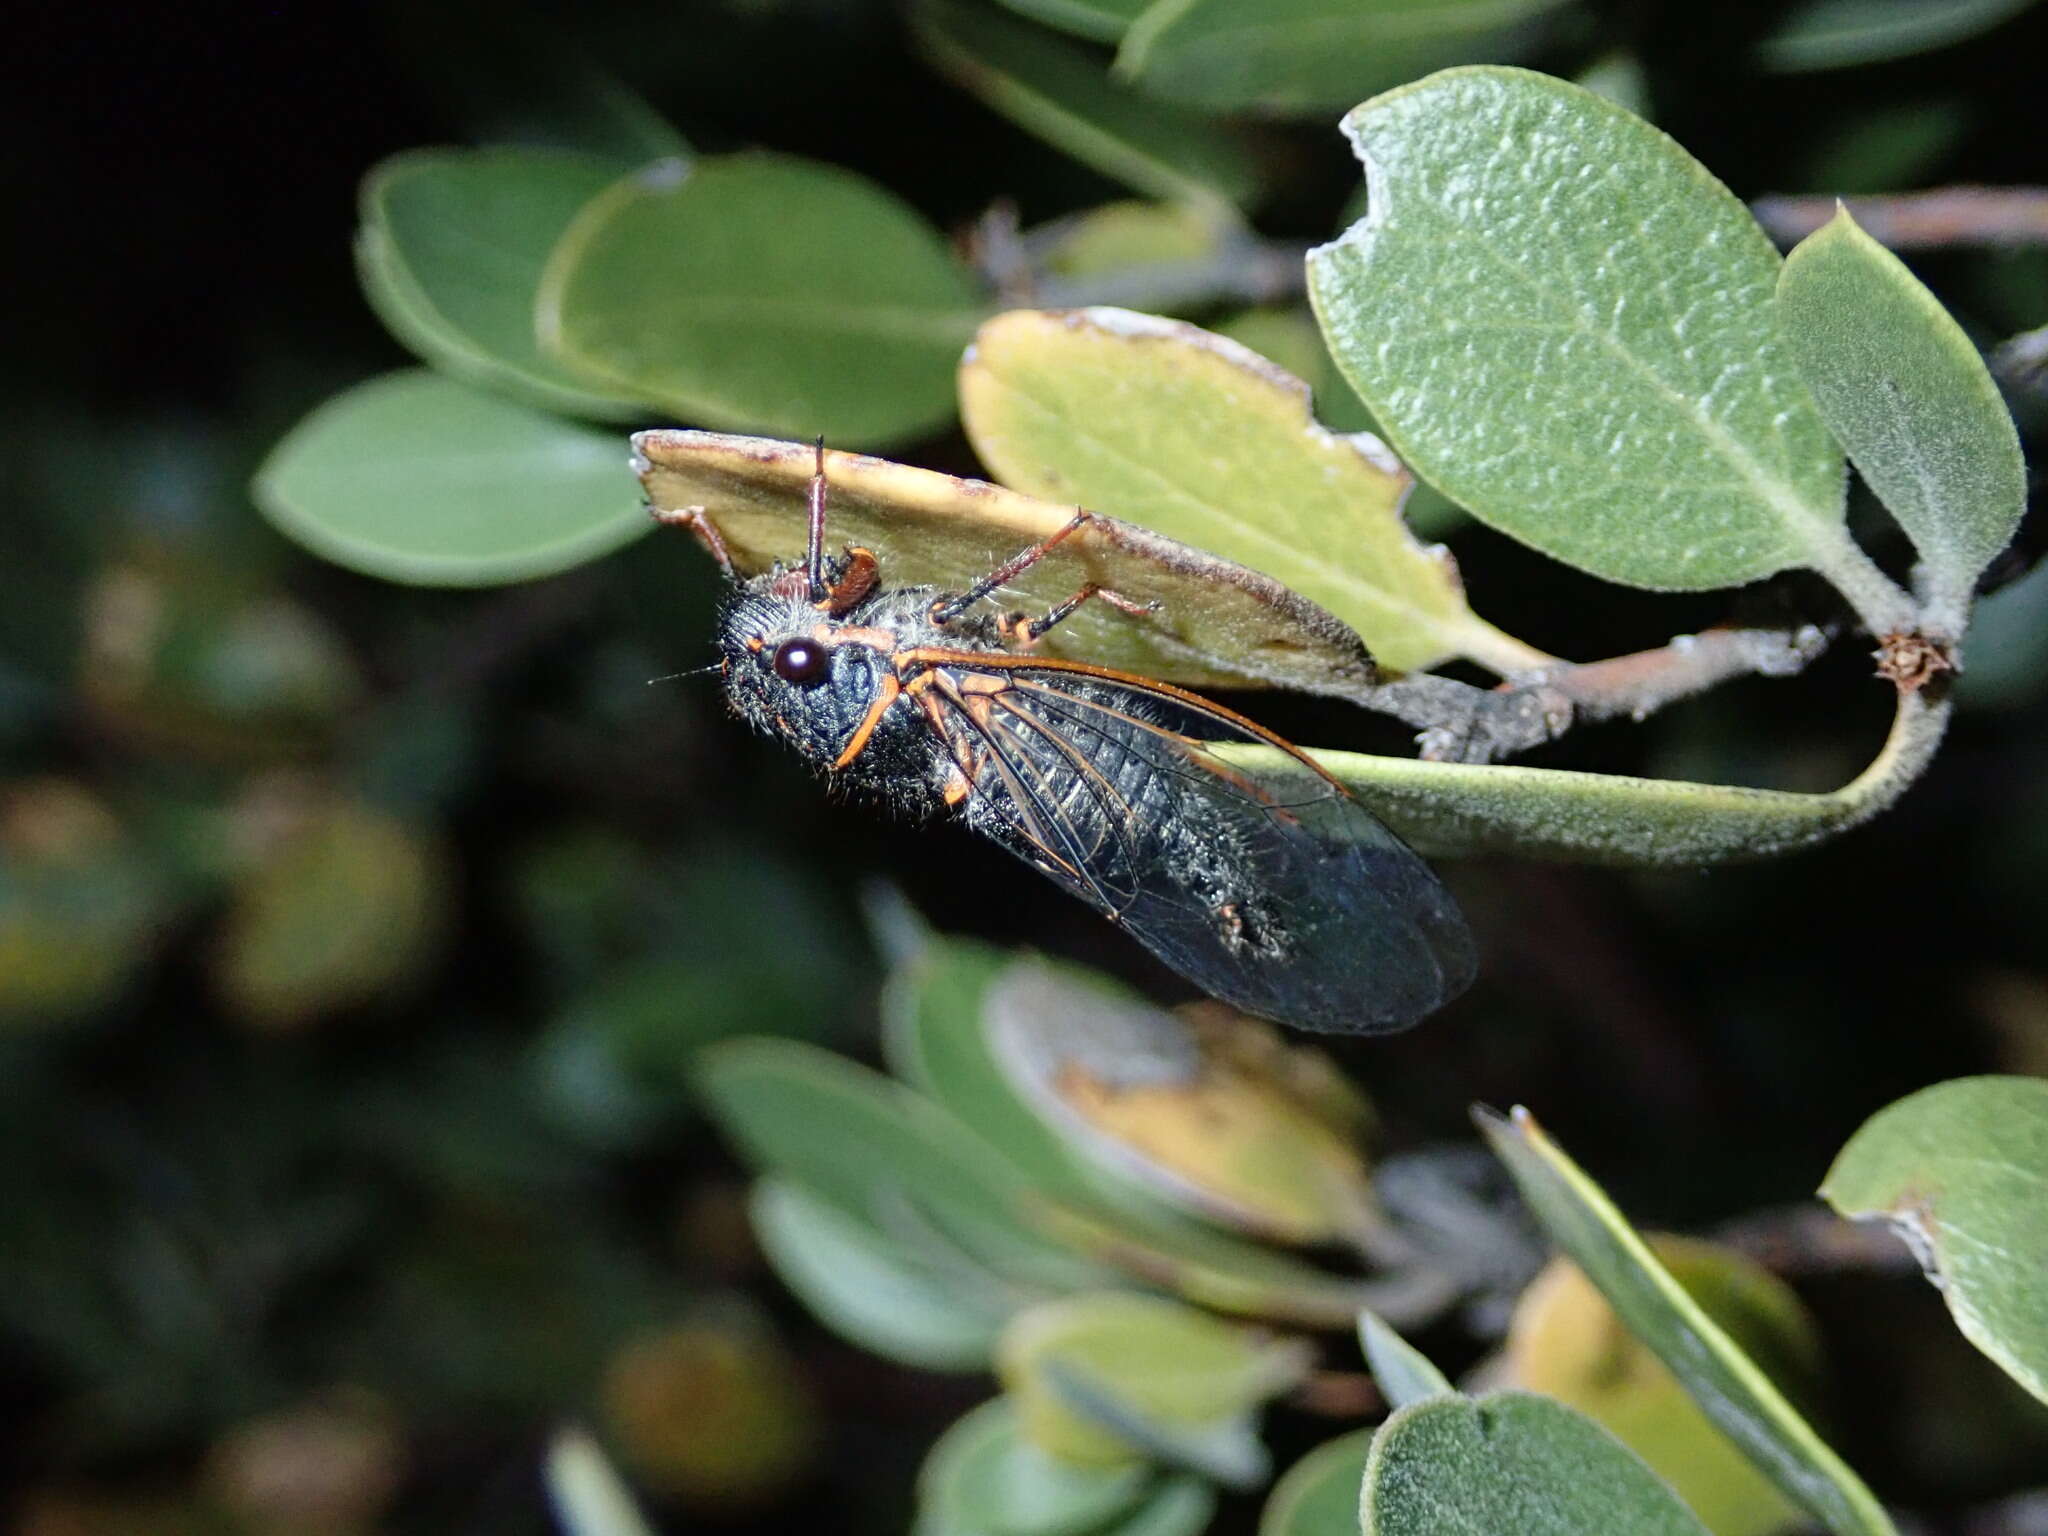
(1022, 630)
(698, 522)
(947, 609)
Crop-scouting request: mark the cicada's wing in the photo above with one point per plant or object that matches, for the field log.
(1275, 891)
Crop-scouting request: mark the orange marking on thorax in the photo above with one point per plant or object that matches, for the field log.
(884, 697)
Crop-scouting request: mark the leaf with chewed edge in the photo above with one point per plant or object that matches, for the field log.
(1567, 324)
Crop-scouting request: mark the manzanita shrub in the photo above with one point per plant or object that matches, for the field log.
(1546, 316)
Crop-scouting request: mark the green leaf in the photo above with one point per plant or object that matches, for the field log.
(1318, 1495)
(1114, 237)
(1459, 810)
(1905, 392)
(450, 253)
(758, 290)
(1510, 1462)
(880, 1153)
(1832, 34)
(1198, 438)
(1566, 324)
(932, 1012)
(1724, 1381)
(1405, 1375)
(589, 1496)
(980, 1477)
(1064, 95)
(1308, 56)
(420, 479)
(1961, 1170)
(1201, 1120)
(870, 1290)
(1290, 337)
(1106, 1378)
(934, 1022)
(1102, 20)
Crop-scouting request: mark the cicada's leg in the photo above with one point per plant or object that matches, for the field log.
(814, 545)
(1020, 629)
(947, 609)
(695, 519)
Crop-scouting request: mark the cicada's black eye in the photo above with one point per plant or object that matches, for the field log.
(800, 661)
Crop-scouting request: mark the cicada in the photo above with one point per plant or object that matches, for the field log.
(1277, 892)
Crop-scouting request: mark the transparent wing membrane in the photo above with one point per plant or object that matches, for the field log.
(1278, 892)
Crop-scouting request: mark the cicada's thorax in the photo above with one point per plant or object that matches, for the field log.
(833, 721)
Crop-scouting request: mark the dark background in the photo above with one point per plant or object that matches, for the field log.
(181, 291)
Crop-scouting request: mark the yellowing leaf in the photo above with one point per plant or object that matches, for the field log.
(1195, 1112)
(1197, 437)
(1567, 1343)
(1167, 1367)
(1217, 624)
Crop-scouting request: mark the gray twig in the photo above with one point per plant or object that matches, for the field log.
(1463, 724)
(1945, 216)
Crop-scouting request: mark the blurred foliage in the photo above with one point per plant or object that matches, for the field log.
(369, 956)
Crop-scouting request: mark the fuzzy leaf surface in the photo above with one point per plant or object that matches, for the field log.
(1905, 392)
(1565, 323)
(1961, 1170)
(1458, 810)
(1510, 1462)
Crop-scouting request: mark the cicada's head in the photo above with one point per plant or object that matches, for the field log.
(795, 672)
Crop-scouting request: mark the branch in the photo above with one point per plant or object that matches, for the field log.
(1905, 221)
(1807, 1239)
(1463, 724)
